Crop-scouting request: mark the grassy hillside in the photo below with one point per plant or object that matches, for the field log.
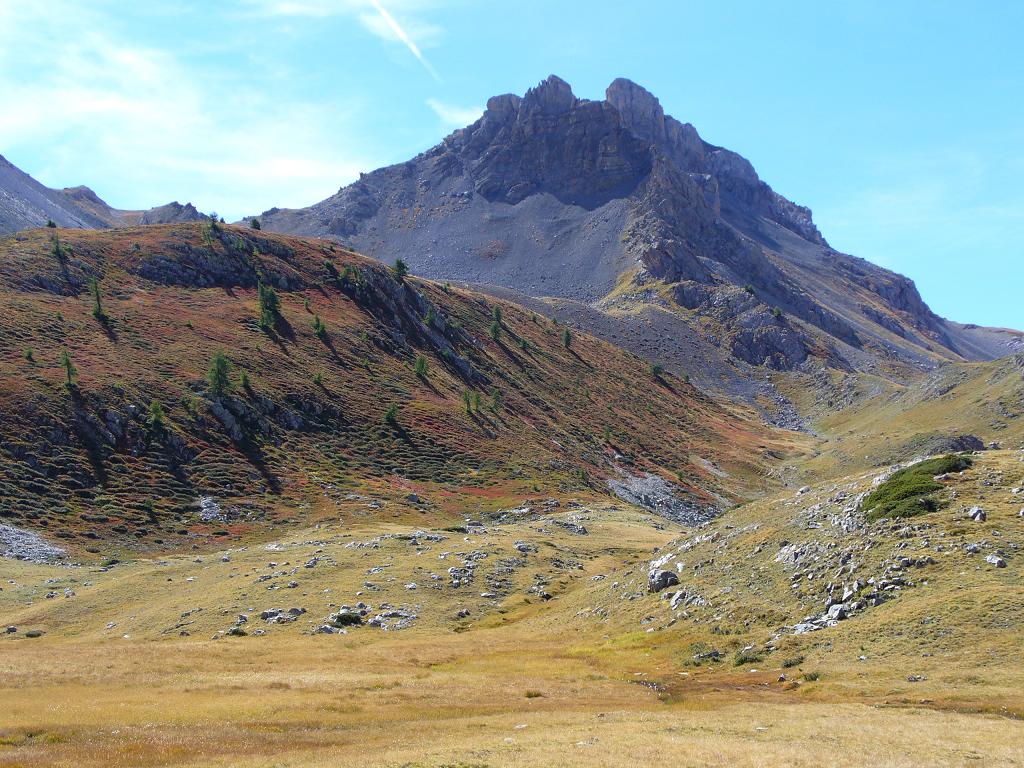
(868, 422)
(484, 413)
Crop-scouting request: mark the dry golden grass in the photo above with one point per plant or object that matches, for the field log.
(589, 678)
(401, 701)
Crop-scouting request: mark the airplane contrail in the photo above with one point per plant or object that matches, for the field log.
(409, 43)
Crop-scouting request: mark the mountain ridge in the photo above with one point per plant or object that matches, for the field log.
(601, 201)
(25, 203)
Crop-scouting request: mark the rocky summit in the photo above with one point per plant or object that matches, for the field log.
(621, 217)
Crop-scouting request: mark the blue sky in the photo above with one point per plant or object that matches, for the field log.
(901, 124)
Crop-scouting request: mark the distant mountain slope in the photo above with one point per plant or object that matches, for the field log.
(486, 411)
(613, 205)
(25, 203)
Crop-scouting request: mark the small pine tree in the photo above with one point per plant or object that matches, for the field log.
(476, 401)
(156, 416)
(51, 224)
(421, 366)
(607, 434)
(400, 270)
(58, 249)
(255, 224)
(497, 399)
(243, 381)
(319, 328)
(430, 317)
(524, 344)
(656, 370)
(496, 313)
(391, 415)
(318, 379)
(270, 305)
(70, 371)
(777, 313)
(749, 289)
(219, 375)
(332, 271)
(496, 330)
(30, 355)
(566, 338)
(97, 301)
(467, 401)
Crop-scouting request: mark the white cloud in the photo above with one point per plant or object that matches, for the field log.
(124, 117)
(454, 116)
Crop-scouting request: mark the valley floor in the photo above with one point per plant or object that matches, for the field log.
(472, 700)
(533, 641)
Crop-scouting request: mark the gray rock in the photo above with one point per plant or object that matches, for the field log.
(995, 560)
(661, 579)
(20, 544)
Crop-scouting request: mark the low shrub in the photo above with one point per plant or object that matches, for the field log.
(907, 492)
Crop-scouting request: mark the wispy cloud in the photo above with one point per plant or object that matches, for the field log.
(412, 32)
(156, 127)
(934, 217)
(454, 116)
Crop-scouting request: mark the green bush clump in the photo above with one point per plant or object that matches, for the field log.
(908, 492)
(745, 657)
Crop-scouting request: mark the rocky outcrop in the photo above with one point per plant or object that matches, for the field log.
(172, 213)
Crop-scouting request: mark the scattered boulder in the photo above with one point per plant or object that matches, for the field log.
(658, 580)
(995, 560)
(977, 514)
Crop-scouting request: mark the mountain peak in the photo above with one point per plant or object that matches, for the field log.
(551, 95)
(640, 109)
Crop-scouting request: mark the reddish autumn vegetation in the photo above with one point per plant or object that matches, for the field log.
(278, 373)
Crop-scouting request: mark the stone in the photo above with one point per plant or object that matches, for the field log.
(836, 613)
(977, 514)
(658, 580)
(995, 560)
